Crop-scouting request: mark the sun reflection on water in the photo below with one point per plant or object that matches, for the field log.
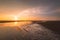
(13, 24)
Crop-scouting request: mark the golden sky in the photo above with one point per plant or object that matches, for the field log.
(29, 10)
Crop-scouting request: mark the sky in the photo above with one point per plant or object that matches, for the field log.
(30, 9)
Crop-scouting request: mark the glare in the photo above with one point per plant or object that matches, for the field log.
(15, 18)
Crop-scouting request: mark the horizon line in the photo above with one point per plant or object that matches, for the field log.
(5, 21)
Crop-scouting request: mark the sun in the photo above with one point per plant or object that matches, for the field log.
(15, 18)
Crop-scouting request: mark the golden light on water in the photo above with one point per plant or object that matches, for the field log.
(14, 24)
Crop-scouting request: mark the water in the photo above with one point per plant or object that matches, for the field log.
(25, 31)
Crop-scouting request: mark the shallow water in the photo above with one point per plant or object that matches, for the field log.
(25, 31)
(14, 23)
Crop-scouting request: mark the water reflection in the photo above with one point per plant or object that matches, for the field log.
(15, 31)
(12, 24)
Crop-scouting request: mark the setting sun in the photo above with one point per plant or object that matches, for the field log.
(15, 18)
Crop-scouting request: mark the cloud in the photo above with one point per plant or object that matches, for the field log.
(40, 12)
(36, 8)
